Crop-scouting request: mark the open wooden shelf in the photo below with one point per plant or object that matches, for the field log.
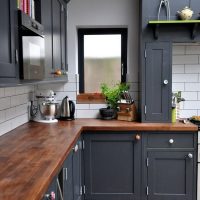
(157, 23)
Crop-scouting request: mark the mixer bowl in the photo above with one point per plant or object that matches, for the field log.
(48, 110)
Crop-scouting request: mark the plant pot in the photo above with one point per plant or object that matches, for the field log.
(107, 113)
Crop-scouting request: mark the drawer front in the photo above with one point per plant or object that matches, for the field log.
(170, 140)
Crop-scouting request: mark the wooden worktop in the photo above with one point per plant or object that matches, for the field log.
(32, 154)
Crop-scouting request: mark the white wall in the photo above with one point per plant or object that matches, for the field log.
(186, 77)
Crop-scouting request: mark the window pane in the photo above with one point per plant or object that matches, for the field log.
(102, 61)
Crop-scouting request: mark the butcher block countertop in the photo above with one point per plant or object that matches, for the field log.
(32, 154)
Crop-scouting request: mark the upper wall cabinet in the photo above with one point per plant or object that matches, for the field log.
(54, 19)
(157, 82)
(8, 15)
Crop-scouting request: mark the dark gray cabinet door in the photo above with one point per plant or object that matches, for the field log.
(77, 167)
(158, 82)
(54, 19)
(68, 177)
(46, 20)
(170, 175)
(8, 16)
(112, 166)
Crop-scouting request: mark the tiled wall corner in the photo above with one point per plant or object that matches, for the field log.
(186, 77)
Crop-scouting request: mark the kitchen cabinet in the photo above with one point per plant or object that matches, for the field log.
(52, 190)
(112, 165)
(157, 78)
(54, 19)
(67, 174)
(8, 50)
(70, 176)
(77, 171)
(171, 166)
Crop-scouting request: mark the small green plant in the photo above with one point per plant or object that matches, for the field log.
(113, 94)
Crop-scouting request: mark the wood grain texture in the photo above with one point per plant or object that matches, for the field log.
(32, 154)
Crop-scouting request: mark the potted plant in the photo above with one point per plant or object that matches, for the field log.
(112, 95)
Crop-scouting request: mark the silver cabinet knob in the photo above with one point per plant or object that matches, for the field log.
(165, 82)
(171, 141)
(75, 148)
(190, 155)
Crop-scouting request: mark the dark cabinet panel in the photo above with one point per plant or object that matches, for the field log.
(8, 15)
(46, 20)
(54, 19)
(158, 82)
(68, 177)
(57, 45)
(170, 175)
(112, 166)
(77, 170)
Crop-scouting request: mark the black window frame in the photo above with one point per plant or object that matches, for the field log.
(101, 31)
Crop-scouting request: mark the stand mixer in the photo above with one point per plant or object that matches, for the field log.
(46, 108)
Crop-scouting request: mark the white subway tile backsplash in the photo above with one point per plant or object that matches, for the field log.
(192, 69)
(10, 91)
(5, 127)
(192, 86)
(2, 92)
(185, 78)
(178, 50)
(70, 87)
(87, 113)
(10, 113)
(82, 106)
(178, 87)
(54, 87)
(61, 95)
(185, 59)
(190, 95)
(193, 105)
(178, 69)
(192, 49)
(4, 103)
(97, 106)
(187, 113)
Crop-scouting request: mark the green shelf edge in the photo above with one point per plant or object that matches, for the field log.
(173, 21)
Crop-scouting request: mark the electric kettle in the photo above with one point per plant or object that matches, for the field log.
(67, 109)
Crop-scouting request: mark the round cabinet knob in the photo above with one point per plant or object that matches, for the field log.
(190, 155)
(75, 148)
(137, 137)
(171, 141)
(165, 82)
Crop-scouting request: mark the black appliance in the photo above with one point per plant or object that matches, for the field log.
(67, 109)
(31, 48)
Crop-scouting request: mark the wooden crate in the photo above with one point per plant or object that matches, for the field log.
(127, 112)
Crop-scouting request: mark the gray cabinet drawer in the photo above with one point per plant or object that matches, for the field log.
(170, 140)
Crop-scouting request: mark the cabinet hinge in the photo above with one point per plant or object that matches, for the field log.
(81, 190)
(84, 189)
(145, 109)
(147, 190)
(16, 56)
(145, 53)
(83, 144)
(147, 162)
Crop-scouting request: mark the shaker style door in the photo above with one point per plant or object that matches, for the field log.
(112, 166)
(170, 175)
